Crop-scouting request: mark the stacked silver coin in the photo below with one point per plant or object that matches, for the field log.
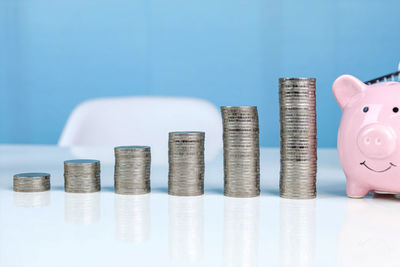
(82, 176)
(298, 138)
(132, 170)
(31, 182)
(186, 163)
(241, 151)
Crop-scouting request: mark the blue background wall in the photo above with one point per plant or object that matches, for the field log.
(56, 54)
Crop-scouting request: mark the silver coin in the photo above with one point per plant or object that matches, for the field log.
(31, 182)
(241, 151)
(298, 138)
(132, 170)
(186, 163)
(82, 176)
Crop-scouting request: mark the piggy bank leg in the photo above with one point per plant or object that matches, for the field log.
(355, 190)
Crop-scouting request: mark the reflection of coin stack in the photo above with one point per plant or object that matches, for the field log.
(186, 163)
(241, 231)
(82, 208)
(132, 215)
(31, 182)
(297, 232)
(32, 200)
(82, 176)
(132, 170)
(185, 229)
(298, 138)
(241, 151)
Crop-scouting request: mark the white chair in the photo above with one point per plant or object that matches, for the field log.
(96, 126)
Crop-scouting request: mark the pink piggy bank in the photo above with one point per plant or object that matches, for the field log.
(368, 139)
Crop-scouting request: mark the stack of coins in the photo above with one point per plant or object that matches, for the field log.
(132, 170)
(298, 138)
(82, 176)
(241, 151)
(31, 182)
(186, 163)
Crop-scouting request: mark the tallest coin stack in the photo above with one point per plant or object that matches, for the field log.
(298, 138)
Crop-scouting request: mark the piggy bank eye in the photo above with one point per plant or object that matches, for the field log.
(365, 109)
(395, 109)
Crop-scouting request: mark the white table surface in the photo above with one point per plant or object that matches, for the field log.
(104, 229)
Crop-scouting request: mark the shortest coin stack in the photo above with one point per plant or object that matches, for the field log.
(82, 176)
(31, 182)
(132, 170)
(186, 163)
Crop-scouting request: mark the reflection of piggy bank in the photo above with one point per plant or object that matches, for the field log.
(368, 144)
(370, 233)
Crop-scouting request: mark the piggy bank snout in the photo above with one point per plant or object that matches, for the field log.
(377, 141)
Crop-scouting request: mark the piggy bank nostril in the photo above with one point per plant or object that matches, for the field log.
(378, 141)
(367, 141)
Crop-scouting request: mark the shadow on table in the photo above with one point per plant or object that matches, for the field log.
(337, 188)
(57, 188)
(269, 192)
(107, 188)
(160, 189)
(214, 191)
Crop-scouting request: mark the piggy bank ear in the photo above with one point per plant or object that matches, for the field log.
(345, 87)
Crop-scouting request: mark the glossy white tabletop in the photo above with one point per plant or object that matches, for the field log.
(104, 229)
